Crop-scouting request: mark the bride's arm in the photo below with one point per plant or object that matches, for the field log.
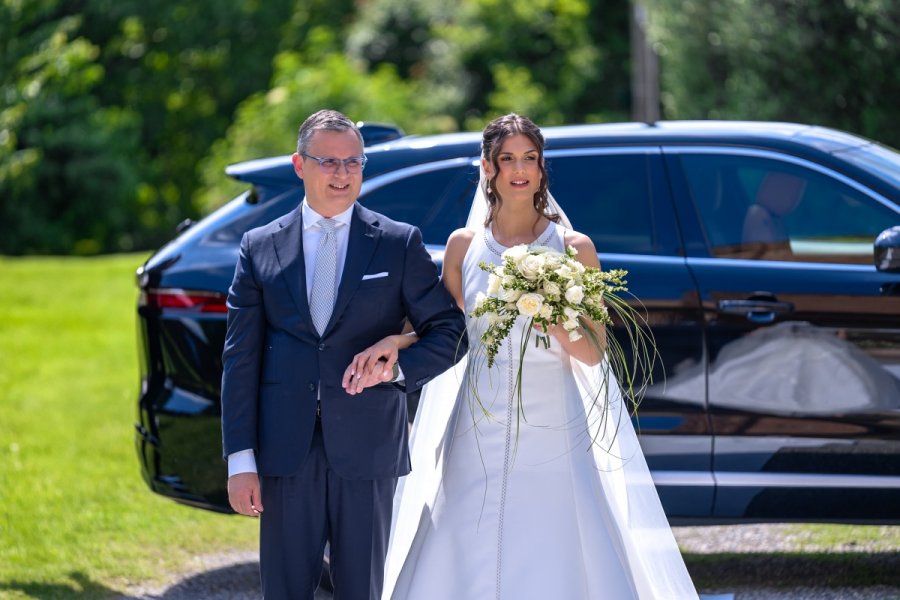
(584, 350)
(457, 246)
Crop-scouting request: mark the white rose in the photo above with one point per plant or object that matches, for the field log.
(571, 313)
(516, 252)
(574, 336)
(564, 271)
(493, 285)
(551, 289)
(575, 294)
(531, 266)
(546, 312)
(530, 304)
(508, 295)
(570, 325)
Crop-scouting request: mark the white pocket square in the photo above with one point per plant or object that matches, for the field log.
(375, 275)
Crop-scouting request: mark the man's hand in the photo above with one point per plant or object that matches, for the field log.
(243, 494)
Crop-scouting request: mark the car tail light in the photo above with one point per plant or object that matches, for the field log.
(205, 302)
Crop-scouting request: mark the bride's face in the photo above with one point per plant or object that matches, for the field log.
(519, 169)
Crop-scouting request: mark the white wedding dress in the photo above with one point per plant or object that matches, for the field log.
(519, 506)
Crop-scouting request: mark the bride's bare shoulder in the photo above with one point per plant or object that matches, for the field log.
(463, 233)
(460, 240)
(587, 253)
(457, 245)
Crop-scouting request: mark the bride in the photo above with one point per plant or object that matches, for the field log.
(538, 500)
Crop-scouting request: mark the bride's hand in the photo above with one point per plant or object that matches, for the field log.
(373, 365)
(555, 331)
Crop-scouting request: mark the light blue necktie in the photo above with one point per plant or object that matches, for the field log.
(321, 299)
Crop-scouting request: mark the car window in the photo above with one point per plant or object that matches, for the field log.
(453, 209)
(430, 199)
(608, 197)
(759, 208)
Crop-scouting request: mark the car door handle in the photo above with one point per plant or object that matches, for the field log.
(756, 310)
(890, 289)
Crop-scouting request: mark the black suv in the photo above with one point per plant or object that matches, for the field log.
(751, 245)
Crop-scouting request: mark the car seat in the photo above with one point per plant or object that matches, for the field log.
(777, 196)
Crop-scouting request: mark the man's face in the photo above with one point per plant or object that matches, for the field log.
(328, 191)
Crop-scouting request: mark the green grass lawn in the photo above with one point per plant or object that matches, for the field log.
(76, 519)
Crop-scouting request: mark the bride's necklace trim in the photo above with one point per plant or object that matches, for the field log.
(541, 241)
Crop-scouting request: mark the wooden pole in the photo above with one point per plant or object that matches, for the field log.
(644, 69)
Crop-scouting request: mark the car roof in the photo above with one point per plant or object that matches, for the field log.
(414, 149)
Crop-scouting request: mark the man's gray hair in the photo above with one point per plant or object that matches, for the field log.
(324, 120)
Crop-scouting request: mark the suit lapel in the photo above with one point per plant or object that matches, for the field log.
(289, 250)
(361, 244)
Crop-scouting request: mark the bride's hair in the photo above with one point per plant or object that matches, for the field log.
(492, 139)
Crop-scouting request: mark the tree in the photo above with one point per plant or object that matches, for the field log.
(108, 106)
(66, 177)
(267, 123)
(555, 60)
(812, 61)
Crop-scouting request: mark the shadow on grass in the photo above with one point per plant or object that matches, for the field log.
(234, 582)
(80, 586)
(794, 569)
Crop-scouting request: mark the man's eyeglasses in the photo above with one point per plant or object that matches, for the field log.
(354, 164)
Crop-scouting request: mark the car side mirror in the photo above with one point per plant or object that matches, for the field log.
(887, 250)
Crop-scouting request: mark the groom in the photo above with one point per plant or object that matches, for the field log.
(310, 290)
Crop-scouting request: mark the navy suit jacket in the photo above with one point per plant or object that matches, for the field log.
(274, 360)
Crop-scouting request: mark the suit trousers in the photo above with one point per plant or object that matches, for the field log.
(314, 506)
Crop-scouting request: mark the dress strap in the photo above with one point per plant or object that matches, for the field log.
(560, 236)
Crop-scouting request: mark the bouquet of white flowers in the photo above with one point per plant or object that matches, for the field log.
(547, 287)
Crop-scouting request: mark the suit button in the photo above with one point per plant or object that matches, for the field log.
(312, 387)
(321, 347)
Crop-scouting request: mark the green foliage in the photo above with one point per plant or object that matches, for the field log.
(106, 107)
(266, 124)
(430, 66)
(555, 60)
(813, 61)
(66, 177)
(109, 107)
(117, 116)
(184, 66)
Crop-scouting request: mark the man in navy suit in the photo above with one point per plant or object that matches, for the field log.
(324, 463)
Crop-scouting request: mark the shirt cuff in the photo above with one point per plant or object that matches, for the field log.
(400, 378)
(241, 462)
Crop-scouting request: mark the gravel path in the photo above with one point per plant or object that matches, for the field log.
(233, 576)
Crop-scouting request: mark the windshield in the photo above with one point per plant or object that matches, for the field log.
(882, 161)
